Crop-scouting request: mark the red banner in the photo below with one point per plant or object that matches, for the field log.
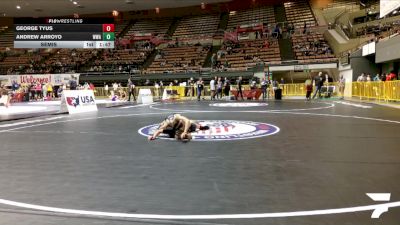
(231, 36)
(250, 28)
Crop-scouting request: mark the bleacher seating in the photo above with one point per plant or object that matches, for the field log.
(312, 48)
(21, 61)
(262, 15)
(195, 26)
(157, 26)
(118, 59)
(348, 4)
(248, 53)
(7, 39)
(373, 29)
(3, 28)
(119, 27)
(299, 12)
(66, 60)
(179, 59)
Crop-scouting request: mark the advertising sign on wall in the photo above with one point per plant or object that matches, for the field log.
(78, 101)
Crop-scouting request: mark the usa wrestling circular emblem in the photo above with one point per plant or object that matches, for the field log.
(222, 130)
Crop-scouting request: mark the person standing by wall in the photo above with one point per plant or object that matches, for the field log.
(156, 90)
(131, 90)
(342, 85)
(213, 60)
(105, 89)
(212, 88)
(219, 88)
(200, 87)
(239, 88)
(253, 84)
(319, 82)
(73, 84)
(44, 91)
(264, 85)
(309, 88)
(192, 87)
(227, 87)
(49, 90)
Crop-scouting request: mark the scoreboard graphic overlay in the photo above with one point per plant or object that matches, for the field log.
(64, 33)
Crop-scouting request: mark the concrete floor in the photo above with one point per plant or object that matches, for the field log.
(327, 155)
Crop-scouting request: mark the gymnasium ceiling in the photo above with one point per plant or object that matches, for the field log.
(46, 8)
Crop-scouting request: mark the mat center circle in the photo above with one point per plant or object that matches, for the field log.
(222, 130)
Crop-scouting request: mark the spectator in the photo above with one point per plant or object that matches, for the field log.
(60, 91)
(219, 88)
(213, 60)
(266, 44)
(361, 78)
(377, 77)
(212, 88)
(44, 91)
(73, 84)
(309, 89)
(227, 86)
(239, 84)
(319, 82)
(277, 31)
(342, 85)
(200, 87)
(264, 86)
(383, 77)
(253, 84)
(86, 86)
(49, 90)
(391, 76)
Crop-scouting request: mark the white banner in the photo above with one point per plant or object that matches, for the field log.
(54, 79)
(78, 101)
(387, 6)
(145, 96)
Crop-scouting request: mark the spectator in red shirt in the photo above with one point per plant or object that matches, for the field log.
(266, 44)
(391, 76)
(91, 86)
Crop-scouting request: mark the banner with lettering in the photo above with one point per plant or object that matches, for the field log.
(54, 79)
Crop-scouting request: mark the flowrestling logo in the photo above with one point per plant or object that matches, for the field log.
(223, 130)
(80, 100)
(239, 104)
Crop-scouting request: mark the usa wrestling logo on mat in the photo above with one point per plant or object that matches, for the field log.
(223, 130)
